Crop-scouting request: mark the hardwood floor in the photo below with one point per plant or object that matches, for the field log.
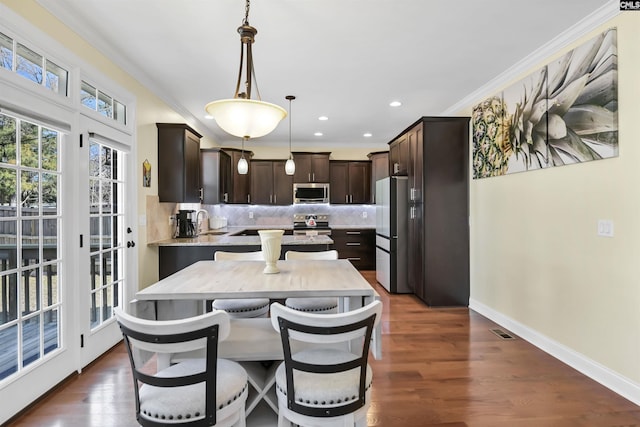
(440, 368)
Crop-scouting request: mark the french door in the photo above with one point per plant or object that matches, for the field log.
(106, 246)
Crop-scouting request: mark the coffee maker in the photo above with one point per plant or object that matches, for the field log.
(184, 224)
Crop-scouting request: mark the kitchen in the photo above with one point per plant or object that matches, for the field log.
(504, 286)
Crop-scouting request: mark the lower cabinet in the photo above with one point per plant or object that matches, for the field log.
(358, 245)
(175, 258)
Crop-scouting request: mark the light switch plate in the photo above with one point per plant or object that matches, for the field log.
(605, 228)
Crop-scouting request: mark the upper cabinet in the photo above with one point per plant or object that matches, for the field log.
(240, 185)
(178, 163)
(215, 176)
(270, 185)
(399, 156)
(311, 167)
(350, 182)
(379, 169)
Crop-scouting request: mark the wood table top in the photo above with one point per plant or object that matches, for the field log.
(245, 279)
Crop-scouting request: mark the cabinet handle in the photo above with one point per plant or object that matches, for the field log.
(314, 176)
(346, 198)
(412, 213)
(271, 198)
(309, 176)
(226, 197)
(354, 259)
(351, 198)
(275, 199)
(353, 244)
(201, 194)
(353, 232)
(248, 198)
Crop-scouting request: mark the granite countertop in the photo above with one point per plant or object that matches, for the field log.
(224, 237)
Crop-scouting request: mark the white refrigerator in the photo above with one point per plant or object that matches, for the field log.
(391, 233)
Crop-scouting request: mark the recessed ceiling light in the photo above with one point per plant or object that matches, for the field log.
(367, 134)
(208, 117)
(395, 103)
(318, 134)
(323, 118)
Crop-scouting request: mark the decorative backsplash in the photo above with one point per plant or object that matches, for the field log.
(159, 227)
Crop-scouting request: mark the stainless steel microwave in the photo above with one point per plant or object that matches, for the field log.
(310, 192)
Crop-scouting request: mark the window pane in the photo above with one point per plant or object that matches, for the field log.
(30, 191)
(106, 232)
(119, 112)
(29, 152)
(96, 306)
(30, 340)
(94, 159)
(8, 188)
(107, 162)
(117, 265)
(7, 139)
(31, 241)
(105, 105)
(95, 271)
(50, 239)
(6, 52)
(29, 64)
(30, 295)
(57, 78)
(50, 288)
(49, 151)
(10, 337)
(49, 194)
(51, 330)
(106, 197)
(8, 245)
(88, 95)
(106, 267)
(8, 299)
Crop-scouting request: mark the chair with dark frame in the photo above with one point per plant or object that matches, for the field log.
(193, 392)
(327, 381)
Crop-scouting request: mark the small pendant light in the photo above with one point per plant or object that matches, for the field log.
(243, 165)
(290, 166)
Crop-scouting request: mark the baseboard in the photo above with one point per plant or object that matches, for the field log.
(612, 380)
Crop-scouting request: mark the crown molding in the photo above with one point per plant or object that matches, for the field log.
(605, 13)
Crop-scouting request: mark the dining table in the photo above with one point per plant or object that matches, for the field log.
(254, 341)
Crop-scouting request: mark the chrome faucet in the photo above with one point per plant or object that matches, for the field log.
(200, 226)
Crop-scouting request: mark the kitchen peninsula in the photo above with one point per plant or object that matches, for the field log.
(178, 253)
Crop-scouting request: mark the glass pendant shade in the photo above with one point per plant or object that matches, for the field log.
(243, 166)
(290, 167)
(246, 117)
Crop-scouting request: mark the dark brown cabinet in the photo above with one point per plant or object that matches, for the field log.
(240, 185)
(379, 169)
(350, 182)
(215, 176)
(399, 156)
(178, 163)
(270, 185)
(311, 167)
(437, 168)
(356, 245)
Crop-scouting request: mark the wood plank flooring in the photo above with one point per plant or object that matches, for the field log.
(440, 368)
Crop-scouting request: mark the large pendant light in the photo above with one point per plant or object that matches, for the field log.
(290, 166)
(243, 165)
(242, 116)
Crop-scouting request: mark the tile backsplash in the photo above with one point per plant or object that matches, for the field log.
(340, 215)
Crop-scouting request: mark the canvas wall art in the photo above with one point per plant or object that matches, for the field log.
(564, 113)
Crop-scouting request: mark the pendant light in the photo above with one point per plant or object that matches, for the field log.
(290, 166)
(242, 116)
(243, 165)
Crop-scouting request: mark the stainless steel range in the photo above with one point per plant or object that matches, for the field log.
(303, 223)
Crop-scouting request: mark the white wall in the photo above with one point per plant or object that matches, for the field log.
(537, 264)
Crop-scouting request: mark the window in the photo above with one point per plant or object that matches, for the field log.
(30, 226)
(33, 66)
(103, 103)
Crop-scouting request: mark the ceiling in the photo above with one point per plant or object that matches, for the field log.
(344, 59)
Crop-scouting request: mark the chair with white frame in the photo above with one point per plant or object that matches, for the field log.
(193, 392)
(241, 307)
(327, 383)
(312, 304)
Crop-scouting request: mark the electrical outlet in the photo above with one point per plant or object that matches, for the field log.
(605, 228)
(364, 214)
(250, 215)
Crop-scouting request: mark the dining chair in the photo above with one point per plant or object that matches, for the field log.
(312, 304)
(328, 381)
(194, 391)
(241, 307)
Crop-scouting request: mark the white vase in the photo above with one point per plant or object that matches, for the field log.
(271, 245)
